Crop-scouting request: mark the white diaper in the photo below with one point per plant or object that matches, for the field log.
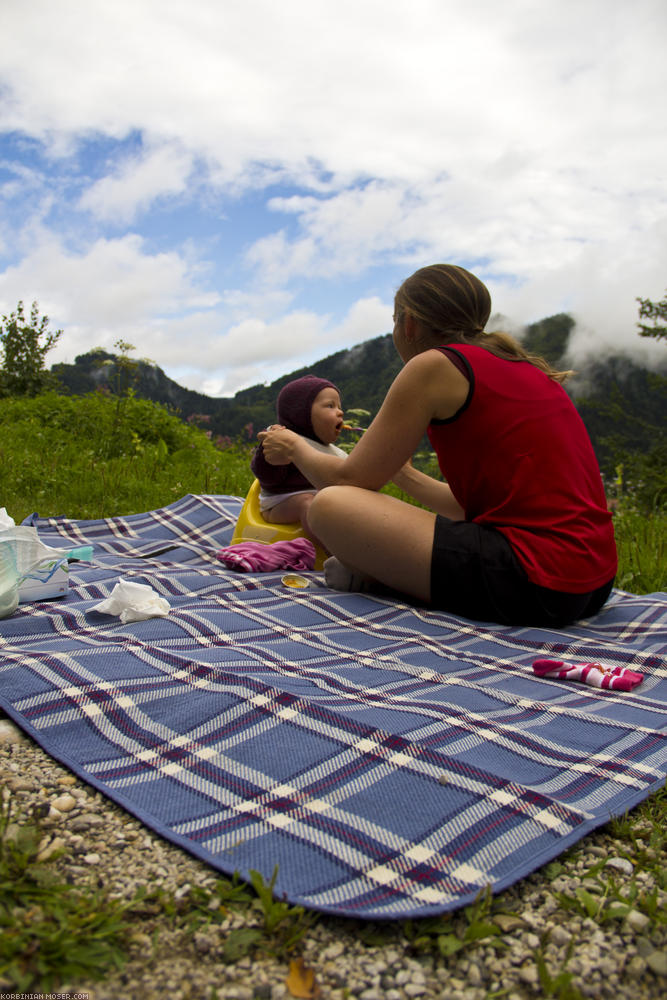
(269, 500)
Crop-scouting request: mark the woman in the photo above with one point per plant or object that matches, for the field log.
(520, 532)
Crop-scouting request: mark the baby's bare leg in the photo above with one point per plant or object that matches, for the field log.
(295, 508)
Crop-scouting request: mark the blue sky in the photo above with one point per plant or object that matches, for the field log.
(238, 188)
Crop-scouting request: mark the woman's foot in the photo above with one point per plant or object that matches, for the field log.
(337, 576)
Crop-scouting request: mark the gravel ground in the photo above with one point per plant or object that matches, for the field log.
(106, 847)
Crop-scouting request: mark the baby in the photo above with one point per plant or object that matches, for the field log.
(310, 406)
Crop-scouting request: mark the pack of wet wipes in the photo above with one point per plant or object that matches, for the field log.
(42, 572)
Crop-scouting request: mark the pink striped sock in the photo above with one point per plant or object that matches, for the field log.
(616, 678)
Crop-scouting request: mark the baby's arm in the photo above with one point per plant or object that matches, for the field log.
(269, 476)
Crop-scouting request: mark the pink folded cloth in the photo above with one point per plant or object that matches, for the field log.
(258, 557)
(617, 678)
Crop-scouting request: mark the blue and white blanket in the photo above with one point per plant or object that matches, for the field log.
(390, 760)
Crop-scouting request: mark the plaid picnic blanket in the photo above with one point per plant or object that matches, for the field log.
(390, 760)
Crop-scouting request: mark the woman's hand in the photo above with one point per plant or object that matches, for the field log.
(277, 444)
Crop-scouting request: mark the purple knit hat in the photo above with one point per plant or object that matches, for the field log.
(295, 401)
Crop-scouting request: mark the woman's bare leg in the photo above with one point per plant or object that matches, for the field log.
(377, 535)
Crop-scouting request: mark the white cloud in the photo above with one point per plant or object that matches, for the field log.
(277, 341)
(348, 143)
(551, 234)
(137, 182)
(118, 291)
(364, 88)
(284, 345)
(343, 233)
(366, 318)
(598, 286)
(112, 291)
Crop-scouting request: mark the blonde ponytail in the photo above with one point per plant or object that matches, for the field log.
(505, 346)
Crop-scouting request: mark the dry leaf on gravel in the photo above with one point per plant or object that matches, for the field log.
(301, 980)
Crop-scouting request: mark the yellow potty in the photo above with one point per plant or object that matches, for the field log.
(251, 527)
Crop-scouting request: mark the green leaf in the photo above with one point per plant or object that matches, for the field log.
(449, 944)
(240, 942)
(589, 902)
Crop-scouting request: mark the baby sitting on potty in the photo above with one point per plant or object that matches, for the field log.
(309, 406)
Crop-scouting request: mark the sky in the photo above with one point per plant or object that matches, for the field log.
(238, 187)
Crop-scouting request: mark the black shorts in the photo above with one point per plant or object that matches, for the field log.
(475, 574)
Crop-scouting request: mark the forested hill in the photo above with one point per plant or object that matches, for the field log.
(623, 405)
(363, 374)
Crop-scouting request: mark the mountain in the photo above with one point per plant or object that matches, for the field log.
(98, 370)
(623, 405)
(363, 374)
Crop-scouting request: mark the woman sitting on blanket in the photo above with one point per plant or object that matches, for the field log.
(519, 532)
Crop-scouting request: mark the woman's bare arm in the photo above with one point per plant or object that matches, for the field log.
(432, 493)
(428, 386)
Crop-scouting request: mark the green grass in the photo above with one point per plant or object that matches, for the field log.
(96, 456)
(642, 551)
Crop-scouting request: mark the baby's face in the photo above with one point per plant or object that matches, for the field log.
(326, 415)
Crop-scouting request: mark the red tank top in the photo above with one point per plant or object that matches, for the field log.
(518, 458)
